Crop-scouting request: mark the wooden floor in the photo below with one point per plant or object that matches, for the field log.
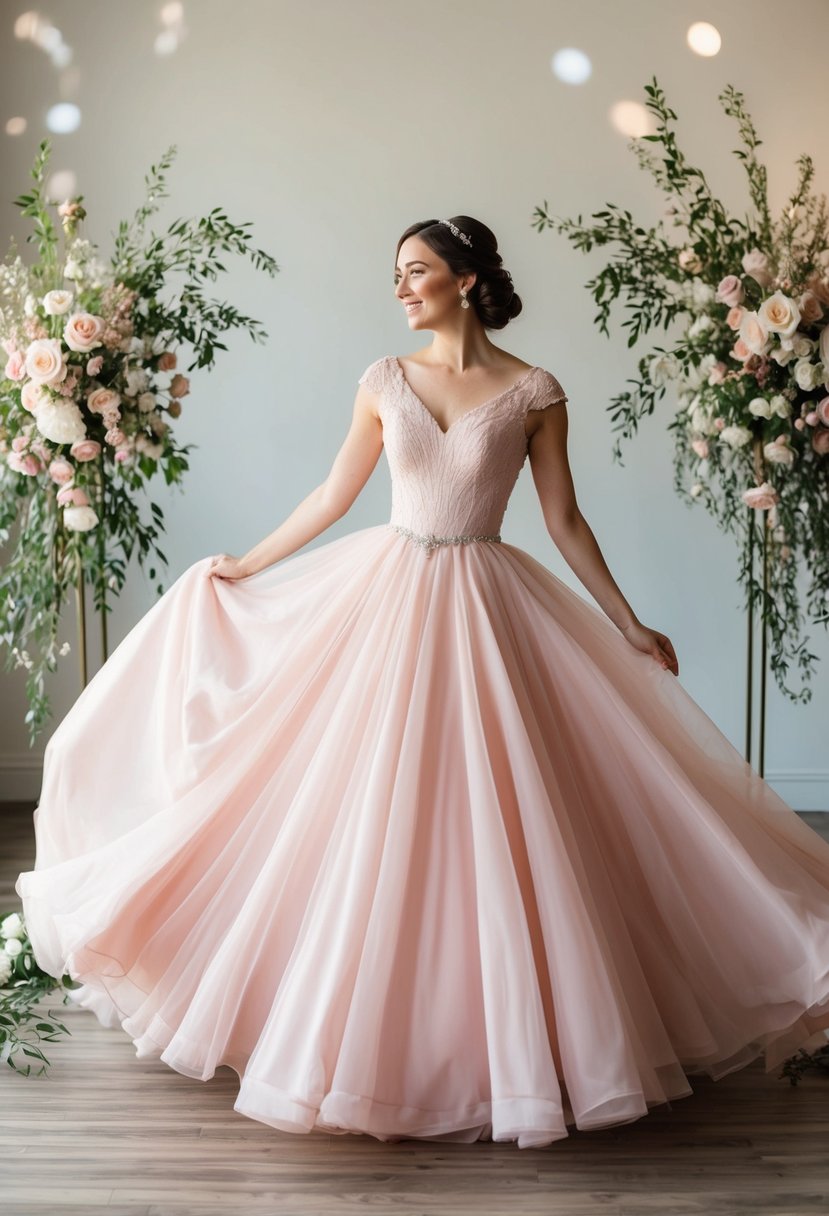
(103, 1130)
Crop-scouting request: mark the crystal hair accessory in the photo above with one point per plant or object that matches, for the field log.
(457, 232)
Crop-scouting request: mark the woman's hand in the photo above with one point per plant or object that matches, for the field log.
(650, 641)
(224, 566)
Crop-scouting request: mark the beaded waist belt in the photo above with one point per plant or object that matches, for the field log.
(429, 541)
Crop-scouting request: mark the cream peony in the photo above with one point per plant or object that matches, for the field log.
(45, 361)
(79, 519)
(759, 407)
(779, 313)
(85, 449)
(736, 436)
(83, 331)
(60, 421)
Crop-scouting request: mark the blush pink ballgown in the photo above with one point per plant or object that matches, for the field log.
(404, 832)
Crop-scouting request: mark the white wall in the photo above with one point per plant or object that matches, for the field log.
(333, 126)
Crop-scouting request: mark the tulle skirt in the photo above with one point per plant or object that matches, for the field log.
(419, 845)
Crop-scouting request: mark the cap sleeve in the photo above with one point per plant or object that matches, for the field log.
(547, 391)
(372, 377)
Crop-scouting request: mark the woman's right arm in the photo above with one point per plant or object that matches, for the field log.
(328, 502)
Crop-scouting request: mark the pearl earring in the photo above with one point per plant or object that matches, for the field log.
(464, 301)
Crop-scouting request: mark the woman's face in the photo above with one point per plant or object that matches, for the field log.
(425, 286)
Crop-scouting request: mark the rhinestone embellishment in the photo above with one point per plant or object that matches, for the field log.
(457, 232)
(429, 541)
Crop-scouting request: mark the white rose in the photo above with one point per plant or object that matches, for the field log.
(60, 421)
(11, 926)
(56, 303)
(71, 269)
(779, 313)
(759, 407)
(780, 405)
(806, 374)
(79, 519)
(781, 356)
(778, 453)
(146, 402)
(5, 967)
(800, 345)
(735, 436)
(13, 947)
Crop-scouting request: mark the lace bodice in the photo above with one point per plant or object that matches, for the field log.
(458, 481)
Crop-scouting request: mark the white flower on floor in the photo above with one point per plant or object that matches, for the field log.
(11, 926)
(5, 967)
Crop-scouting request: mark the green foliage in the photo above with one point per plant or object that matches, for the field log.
(149, 302)
(663, 284)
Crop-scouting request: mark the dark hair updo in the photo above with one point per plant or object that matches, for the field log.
(492, 295)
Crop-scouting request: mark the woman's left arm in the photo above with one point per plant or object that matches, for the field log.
(573, 536)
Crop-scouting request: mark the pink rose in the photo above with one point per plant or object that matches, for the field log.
(761, 497)
(822, 408)
(717, 373)
(16, 365)
(74, 496)
(33, 395)
(730, 290)
(167, 361)
(799, 424)
(734, 316)
(700, 446)
(101, 399)
(820, 441)
(45, 361)
(94, 365)
(83, 331)
(20, 443)
(85, 449)
(29, 464)
(121, 455)
(179, 386)
(60, 470)
(740, 351)
(811, 418)
(719, 424)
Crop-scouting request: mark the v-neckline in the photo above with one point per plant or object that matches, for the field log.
(475, 408)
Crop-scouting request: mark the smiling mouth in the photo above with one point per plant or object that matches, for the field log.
(412, 307)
